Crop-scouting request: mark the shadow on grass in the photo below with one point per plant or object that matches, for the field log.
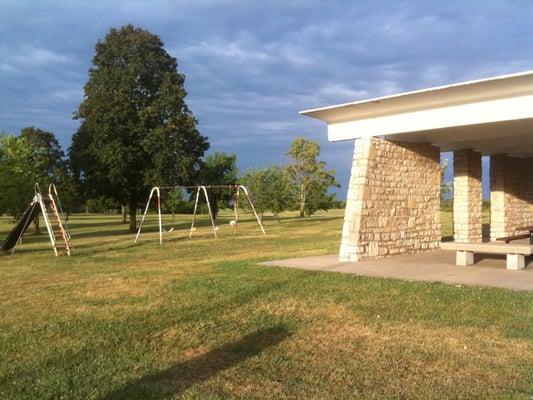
(181, 376)
(305, 220)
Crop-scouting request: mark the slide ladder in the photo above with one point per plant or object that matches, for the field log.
(50, 207)
(59, 236)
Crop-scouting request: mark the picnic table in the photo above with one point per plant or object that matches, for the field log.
(529, 234)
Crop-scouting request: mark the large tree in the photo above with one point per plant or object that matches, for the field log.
(309, 176)
(136, 129)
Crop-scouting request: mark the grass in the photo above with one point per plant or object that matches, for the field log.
(199, 319)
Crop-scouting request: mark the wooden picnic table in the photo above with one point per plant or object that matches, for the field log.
(530, 230)
(529, 235)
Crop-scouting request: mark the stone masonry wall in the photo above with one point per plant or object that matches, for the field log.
(393, 200)
(511, 195)
(467, 196)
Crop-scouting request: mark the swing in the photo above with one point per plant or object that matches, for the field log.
(201, 189)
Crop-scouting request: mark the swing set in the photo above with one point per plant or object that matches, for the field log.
(235, 189)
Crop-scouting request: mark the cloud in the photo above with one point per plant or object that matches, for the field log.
(28, 56)
(251, 66)
(341, 93)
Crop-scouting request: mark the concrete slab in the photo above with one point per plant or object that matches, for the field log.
(437, 266)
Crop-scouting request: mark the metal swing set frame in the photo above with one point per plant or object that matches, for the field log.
(200, 189)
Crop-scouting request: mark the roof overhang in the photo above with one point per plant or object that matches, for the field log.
(492, 115)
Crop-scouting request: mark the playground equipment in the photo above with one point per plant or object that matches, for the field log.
(236, 189)
(52, 211)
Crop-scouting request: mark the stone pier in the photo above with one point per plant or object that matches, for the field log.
(393, 201)
(511, 195)
(467, 196)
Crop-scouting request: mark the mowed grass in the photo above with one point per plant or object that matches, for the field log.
(200, 319)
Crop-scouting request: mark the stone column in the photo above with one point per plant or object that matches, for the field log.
(393, 200)
(511, 203)
(363, 160)
(467, 196)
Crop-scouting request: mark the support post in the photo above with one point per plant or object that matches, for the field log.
(516, 261)
(467, 196)
(250, 202)
(393, 200)
(235, 208)
(464, 258)
(154, 190)
(212, 220)
(159, 217)
(209, 211)
(194, 212)
(511, 194)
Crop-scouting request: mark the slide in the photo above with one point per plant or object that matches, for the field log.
(21, 226)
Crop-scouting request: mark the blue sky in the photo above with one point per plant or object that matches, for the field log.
(251, 65)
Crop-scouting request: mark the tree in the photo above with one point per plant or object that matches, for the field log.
(269, 188)
(218, 169)
(136, 130)
(445, 187)
(18, 174)
(68, 190)
(318, 197)
(48, 160)
(174, 202)
(47, 153)
(309, 176)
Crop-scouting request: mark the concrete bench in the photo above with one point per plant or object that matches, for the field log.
(516, 253)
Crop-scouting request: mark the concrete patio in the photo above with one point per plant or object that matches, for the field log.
(435, 266)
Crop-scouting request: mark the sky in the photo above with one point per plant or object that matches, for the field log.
(250, 66)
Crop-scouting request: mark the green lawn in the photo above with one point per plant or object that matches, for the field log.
(199, 319)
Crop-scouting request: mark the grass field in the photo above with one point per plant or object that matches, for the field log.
(199, 319)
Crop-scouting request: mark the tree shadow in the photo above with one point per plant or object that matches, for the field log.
(181, 376)
(306, 219)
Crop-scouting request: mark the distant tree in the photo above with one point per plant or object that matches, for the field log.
(445, 187)
(18, 174)
(309, 177)
(218, 169)
(174, 202)
(47, 154)
(269, 187)
(69, 195)
(100, 204)
(136, 129)
(318, 197)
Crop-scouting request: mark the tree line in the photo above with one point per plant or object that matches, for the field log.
(136, 131)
